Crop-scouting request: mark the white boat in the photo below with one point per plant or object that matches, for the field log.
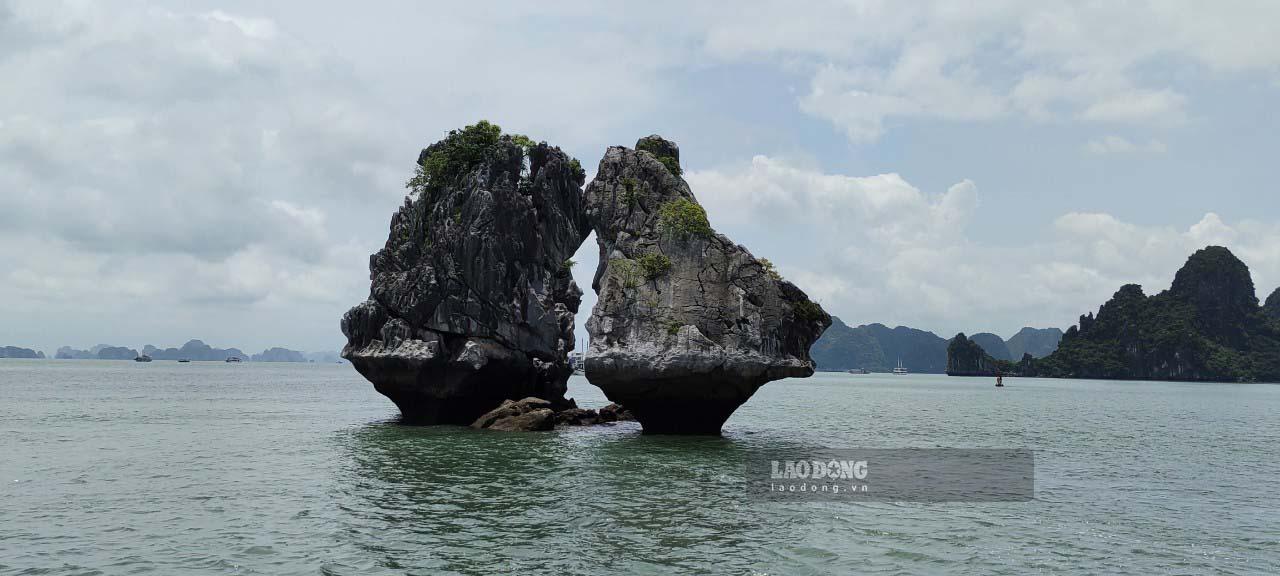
(899, 371)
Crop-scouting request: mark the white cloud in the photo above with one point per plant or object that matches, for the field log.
(1113, 144)
(874, 61)
(878, 249)
(186, 163)
(1138, 106)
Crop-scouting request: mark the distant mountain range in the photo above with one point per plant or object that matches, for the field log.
(877, 348)
(194, 350)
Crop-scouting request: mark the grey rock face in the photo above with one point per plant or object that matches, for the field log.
(688, 324)
(471, 301)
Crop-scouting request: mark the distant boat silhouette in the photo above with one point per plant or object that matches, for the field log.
(899, 371)
(183, 360)
(233, 358)
(142, 358)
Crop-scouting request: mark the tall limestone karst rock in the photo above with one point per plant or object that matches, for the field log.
(471, 300)
(967, 357)
(688, 324)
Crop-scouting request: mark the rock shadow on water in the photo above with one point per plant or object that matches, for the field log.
(458, 499)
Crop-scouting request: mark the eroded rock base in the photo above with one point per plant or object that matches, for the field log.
(682, 416)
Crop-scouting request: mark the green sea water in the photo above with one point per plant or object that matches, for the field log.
(214, 468)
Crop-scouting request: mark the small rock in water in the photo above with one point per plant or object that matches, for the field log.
(577, 417)
(526, 414)
(615, 413)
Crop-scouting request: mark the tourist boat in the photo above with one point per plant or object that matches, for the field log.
(233, 358)
(142, 358)
(858, 371)
(899, 371)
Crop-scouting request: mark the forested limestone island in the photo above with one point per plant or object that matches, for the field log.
(194, 350)
(1207, 326)
(469, 319)
(16, 352)
(965, 357)
(99, 352)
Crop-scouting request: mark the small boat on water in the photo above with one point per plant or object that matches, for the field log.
(183, 360)
(142, 358)
(858, 371)
(900, 370)
(233, 359)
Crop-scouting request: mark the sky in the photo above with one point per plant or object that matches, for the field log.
(223, 170)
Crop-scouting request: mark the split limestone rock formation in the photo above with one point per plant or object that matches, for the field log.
(472, 303)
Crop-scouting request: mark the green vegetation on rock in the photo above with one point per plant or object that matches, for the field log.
(445, 161)
(655, 264)
(684, 218)
(672, 163)
(770, 269)
(808, 311)
(631, 192)
(575, 167)
(627, 271)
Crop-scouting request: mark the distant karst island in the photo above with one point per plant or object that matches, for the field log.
(16, 352)
(195, 351)
(878, 348)
(470, 313)
(1208, 326)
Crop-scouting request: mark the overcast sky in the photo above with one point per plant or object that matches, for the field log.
(222, 170)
